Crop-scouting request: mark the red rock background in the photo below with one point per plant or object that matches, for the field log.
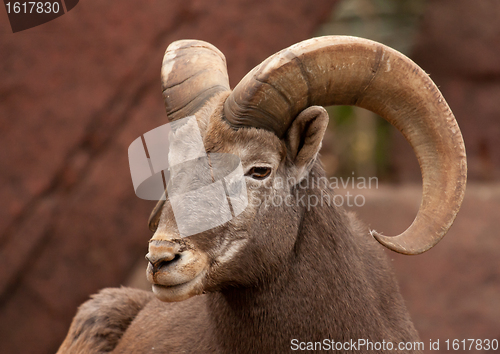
(459, 46)
(453, 291)
(76, 91)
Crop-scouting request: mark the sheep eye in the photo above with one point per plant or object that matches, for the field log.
(259, 172)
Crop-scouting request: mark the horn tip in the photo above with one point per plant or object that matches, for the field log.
(398, 244)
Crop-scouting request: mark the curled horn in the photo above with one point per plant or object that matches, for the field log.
(339, 70)
(192, 71)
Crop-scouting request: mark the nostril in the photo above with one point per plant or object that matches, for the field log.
(167, 262)
(162, 262)
(156, 257)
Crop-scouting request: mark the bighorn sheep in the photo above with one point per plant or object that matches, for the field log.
(277, 277)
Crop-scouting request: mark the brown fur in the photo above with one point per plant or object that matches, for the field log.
(100, 322)
(305, 273)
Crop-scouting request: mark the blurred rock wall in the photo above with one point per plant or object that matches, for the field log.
(459, 46)
(74, 93)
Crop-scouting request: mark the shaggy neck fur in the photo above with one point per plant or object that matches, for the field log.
(335, 285)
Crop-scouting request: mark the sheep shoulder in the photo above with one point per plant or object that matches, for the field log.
(100, 322)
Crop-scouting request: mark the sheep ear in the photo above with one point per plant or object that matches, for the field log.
(304, 137)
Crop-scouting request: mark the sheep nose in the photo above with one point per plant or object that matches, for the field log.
(162, 254)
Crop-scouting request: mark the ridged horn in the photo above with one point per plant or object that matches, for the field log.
(192, 71)
(340, 70)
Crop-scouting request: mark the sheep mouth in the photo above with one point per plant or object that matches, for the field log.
(181, 291)
(176, 273)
